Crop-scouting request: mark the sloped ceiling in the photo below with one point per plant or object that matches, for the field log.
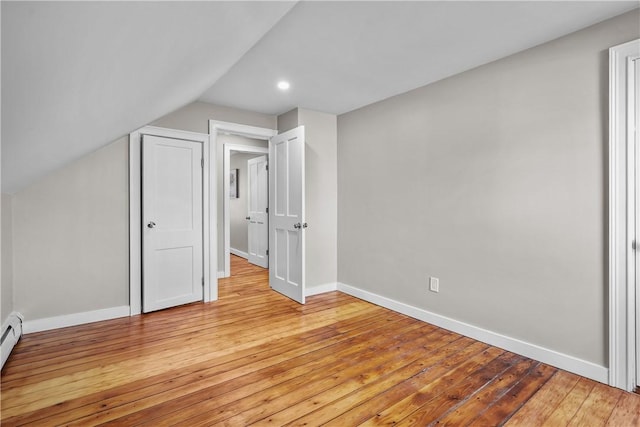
(339, 56)
(78, 75)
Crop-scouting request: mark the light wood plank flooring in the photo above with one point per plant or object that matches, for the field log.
(257, 358)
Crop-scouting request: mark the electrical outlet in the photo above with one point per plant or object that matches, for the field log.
(434, 284)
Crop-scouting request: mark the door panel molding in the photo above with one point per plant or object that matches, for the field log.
(135, 212)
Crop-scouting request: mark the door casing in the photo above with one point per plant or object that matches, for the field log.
(217, 148)
(622, 271)
(135, 210)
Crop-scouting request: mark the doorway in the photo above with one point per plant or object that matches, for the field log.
(225, 138)
(287, 224)
(246, 201)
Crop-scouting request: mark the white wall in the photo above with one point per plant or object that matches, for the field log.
(495, 182)
(71, 237)
(6, 297)
(238, 225)
(320, 192)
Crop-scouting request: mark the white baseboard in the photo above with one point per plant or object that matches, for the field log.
(533, 351)
(239, 253)
(56, 322)
(11, 333)
(320, 289)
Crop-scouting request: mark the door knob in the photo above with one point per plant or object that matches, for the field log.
(151, 224)
(304, 225)
(247, 217)
(297, 225)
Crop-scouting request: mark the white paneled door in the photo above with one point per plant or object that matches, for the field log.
(286, 214)
(172, 267)
(258, 211)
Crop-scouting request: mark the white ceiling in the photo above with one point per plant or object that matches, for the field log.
(339, 56)
(76, 75)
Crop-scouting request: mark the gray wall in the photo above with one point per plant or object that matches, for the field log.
(321, 192)
(6, 295)
(238, 225)
(71, 229)
(288, 120)
(71, 237)
(493, 180)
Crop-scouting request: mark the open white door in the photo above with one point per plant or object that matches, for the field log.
(286, 214)
(258, 211)
(171, 222)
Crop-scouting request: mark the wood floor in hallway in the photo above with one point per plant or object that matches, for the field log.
(255, 357)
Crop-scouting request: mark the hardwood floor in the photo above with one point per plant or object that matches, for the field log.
(256, 358)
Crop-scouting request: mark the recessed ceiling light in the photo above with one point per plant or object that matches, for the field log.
(283, 85)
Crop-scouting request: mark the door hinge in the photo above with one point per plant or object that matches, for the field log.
(267, 210)
(267, 251)
(202, 163)
(634, 245)
(203, 282)
(266, 166)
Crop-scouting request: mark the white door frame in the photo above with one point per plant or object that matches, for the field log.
(216, 127)
(135, 211)
(622, 299)
(226, 168)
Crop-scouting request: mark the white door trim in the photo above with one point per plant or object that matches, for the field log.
(622, 310)
(135, 210)
(216, 127)
(226, 167)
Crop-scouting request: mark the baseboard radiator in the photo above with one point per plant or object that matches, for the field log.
(11, 333)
